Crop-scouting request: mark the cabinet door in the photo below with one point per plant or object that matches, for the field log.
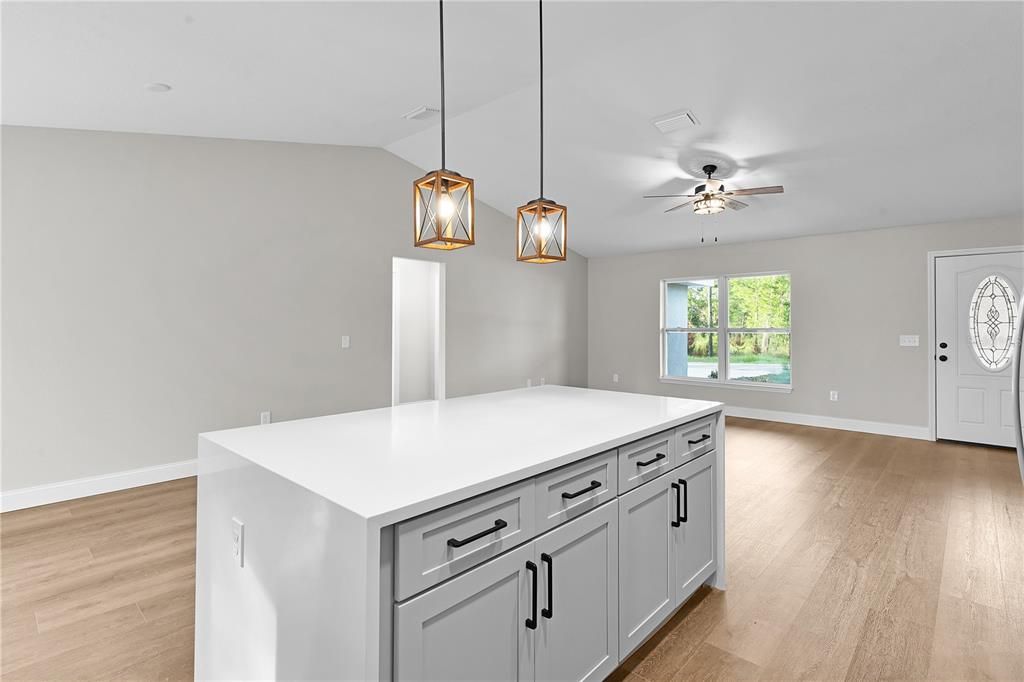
(694, 539)
(472, 627)
(577, 637)
(646, 565)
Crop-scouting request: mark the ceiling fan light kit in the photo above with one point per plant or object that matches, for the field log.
(711, 196)
(444, 215)
(709, 205)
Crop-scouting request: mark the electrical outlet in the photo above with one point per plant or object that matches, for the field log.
(346, 341)
(265, 417)
(910, 340)
(615, 378)
(529, 383)
(542, 381)
(238, 541)
(833, 395)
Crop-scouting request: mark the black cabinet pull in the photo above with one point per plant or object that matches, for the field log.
(686, 500)
(594, 485)
(675, 521)
(943, 345)
(651, 461)
(550, 610)
(699, 440)
(942, 358)
(531, 622)
(498, 525)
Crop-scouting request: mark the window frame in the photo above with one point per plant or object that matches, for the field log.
(722, 332)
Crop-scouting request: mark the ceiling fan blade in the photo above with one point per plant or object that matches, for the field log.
(774, 189)
(676, 208)
(668, 196)
(735, 205)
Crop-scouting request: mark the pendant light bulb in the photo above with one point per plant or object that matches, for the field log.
(542, 229)
(445, 206)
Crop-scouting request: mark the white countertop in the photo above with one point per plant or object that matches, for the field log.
(393, 463)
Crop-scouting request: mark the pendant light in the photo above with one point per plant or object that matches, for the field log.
(443, 210)
(541, 224)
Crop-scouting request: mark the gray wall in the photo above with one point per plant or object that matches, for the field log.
(853, 294)
(154, 287)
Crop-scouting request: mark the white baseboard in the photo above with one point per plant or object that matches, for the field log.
(881, 428)
(49, 493)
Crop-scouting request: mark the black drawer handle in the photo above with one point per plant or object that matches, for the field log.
(594, 485)
(498, 525)
(531, 622)
(675, 522)
(550, 610)
(699, 440)
(649, 462)
(686, 500)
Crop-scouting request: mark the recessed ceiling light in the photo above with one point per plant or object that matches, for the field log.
(157, 87)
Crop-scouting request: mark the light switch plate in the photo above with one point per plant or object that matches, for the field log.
(346, 341)
(910, 340)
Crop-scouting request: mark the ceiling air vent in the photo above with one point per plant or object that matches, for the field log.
(420, 113)
(677, 120)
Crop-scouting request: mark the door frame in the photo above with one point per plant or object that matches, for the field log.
(439, 363)
(933, 257)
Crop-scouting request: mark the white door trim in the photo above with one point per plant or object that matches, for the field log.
(932, 257)
(439, 338)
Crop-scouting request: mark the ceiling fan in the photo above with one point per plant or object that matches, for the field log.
(711, 196)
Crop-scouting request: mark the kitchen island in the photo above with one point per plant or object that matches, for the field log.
(539, 533)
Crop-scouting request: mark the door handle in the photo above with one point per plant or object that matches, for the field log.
(550, 610)
(657, 457)
(675, 521)
(531, 622)
(594, 485)
(686, 500)
(498, 525)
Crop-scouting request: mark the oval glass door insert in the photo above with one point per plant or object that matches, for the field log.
(992, 320)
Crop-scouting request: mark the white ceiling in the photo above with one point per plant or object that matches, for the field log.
(871, 114)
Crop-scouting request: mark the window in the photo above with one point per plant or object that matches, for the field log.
(991, 319)
(754, 330)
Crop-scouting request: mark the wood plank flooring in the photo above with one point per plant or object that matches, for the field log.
(850, 556)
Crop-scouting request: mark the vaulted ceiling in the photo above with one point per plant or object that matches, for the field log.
(871, 114)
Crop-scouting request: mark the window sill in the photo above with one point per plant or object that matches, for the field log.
(742, 385)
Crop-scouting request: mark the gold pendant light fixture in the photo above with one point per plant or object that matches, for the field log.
(443, 209)
(541, 224)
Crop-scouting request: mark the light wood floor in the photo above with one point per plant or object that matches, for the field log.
(849, 556)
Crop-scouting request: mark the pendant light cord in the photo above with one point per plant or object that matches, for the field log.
(440, 5)
(540, 11)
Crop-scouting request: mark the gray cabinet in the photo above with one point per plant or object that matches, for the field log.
(646, 562)
(472, 627)
(547, 609)
(577, 633)
(694, 538)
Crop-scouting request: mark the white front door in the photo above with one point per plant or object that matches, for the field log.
(976, 310)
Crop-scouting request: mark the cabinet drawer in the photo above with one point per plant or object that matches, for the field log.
(644, 460)
(436, 546)
(566, 493)
(695, 438)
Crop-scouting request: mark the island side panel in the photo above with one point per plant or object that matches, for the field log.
(297, 606)
(718, 579)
